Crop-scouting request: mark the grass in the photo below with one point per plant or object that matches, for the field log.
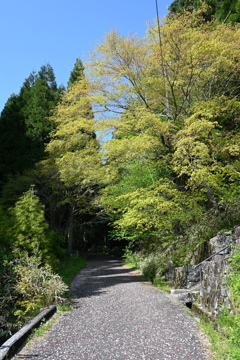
(45, 326)
(70, 267)
(131, 265)
(221, 347)
(162, 285)
(158, 283)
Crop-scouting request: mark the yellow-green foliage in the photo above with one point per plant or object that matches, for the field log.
(172, 106)
(29, 230)
(74, 150)
(37, 286)
(175, 112)
(29, 226)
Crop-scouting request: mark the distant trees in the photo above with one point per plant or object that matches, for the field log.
(13, 140)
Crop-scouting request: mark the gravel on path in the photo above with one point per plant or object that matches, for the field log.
(118, 316)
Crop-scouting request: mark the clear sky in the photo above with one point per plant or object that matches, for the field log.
(36, 32)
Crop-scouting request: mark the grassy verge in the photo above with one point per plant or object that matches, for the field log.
(158, 283)
(162, 285)
(131, 265)
(221, 347)
(70, 266)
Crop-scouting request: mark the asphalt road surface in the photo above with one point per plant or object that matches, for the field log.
(117, 315)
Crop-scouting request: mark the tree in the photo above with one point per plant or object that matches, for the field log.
(13, 140)
(117, 70)
(29, 230)
(77, 74)
(192, 61)
(167, 101)
(24, 124)
(223, 10)
(74, 155)
(43, 95)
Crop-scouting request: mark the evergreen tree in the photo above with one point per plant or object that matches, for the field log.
(29, 230)
(43, 95)
(13, 140)
(25, 124)
(77, 73)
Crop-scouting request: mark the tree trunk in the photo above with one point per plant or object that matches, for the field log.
(70, 231)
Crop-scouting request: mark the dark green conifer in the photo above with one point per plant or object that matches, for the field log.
(25, 124)
(77, 73)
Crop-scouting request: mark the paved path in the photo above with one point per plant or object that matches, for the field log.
(118, 316)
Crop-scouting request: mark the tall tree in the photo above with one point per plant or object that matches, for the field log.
(155, 89)
(13, 139)
(43, 95)
(74, 156)
(77, 74)
(24, 124)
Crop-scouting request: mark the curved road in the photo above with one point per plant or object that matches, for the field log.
(118, 316)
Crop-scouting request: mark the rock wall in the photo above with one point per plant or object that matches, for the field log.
(209, 277)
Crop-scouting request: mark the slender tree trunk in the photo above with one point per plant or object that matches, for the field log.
(70, 231)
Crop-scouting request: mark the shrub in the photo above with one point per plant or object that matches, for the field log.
(37, 286)
(7, 297)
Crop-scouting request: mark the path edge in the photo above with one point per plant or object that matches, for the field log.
(10, 346)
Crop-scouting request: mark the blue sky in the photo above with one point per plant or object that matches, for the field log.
(36, 32)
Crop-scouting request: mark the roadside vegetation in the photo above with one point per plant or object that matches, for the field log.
(70, 267)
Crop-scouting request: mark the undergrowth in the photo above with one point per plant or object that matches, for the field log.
(28, 286)
(70, 266)
(221, 347)
(227, 327)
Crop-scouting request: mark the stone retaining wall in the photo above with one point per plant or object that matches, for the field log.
(209, 278)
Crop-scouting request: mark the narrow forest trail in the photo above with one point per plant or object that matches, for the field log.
(118, 315)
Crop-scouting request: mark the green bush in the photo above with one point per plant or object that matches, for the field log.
(130, 258)
(150, 264)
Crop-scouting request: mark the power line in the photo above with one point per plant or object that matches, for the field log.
(158, 24)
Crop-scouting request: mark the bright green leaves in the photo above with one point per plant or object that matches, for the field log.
(150, 208)
(29, 230)
(175, 112)
(194, 151)
(207, 148)
(74, 147)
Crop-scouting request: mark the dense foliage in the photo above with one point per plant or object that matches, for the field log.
(173, 158)
(223, 10)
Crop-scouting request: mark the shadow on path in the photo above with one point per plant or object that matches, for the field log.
(102, 272)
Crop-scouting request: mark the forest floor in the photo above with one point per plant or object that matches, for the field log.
(117, 314)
